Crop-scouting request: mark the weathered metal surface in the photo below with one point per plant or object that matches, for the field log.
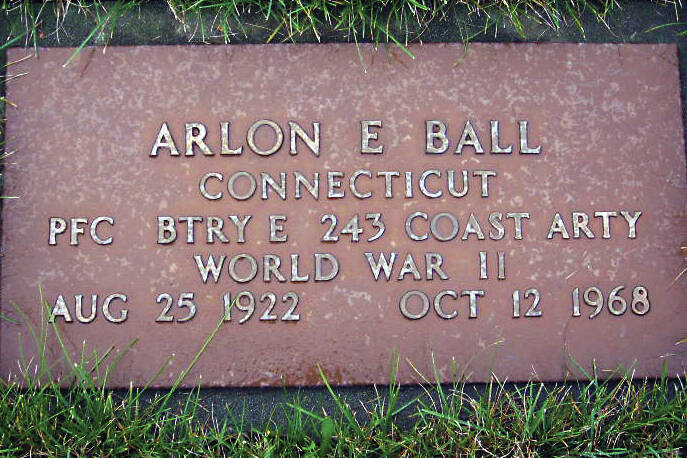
(558, 143)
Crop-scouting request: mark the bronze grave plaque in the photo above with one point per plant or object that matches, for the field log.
(506, 209)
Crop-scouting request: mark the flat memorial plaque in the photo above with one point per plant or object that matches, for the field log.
(515, 210)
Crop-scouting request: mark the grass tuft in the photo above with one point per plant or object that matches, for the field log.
(593, 418)
(380, 21)
(82, 417)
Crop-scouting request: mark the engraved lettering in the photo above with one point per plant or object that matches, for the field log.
(453, 231)
(195, 136)
(409, 267)
(473, 227)
(485, 174)
(278, 137)
(469, 138)
(334, 185)
(78, 308)
(269, 182)
(579, 222)
(320, 258)
(164, 140)
(495, 148)
(295, 275)
(313, 143)
(270, 267)
(106, 308)
(214, 229)
(495, 221)
(377, 265)
(409, 226)
(226, 149)
(423, 184)
(517, 221)
(190, 226)
(245, 276)
(166, 230)
(524, 148)
(452, 184)
(606, 217)
(57, 226)
(94, 230)
(203, 185)
(433, 262)
(354, 188)
(277, 228)
(366, 136)
(245, 194)
(435, 130)
(558, 227)
(240, 222)
(474, 294)
(388, 177)
(312, 187)
(209, 267)
(403, 304)
(60, 309)
(437, 304)
(76, 230)
(631, 222)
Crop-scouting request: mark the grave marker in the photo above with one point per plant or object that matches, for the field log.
(503, 209)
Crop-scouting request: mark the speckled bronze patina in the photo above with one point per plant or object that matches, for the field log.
(607, 118)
